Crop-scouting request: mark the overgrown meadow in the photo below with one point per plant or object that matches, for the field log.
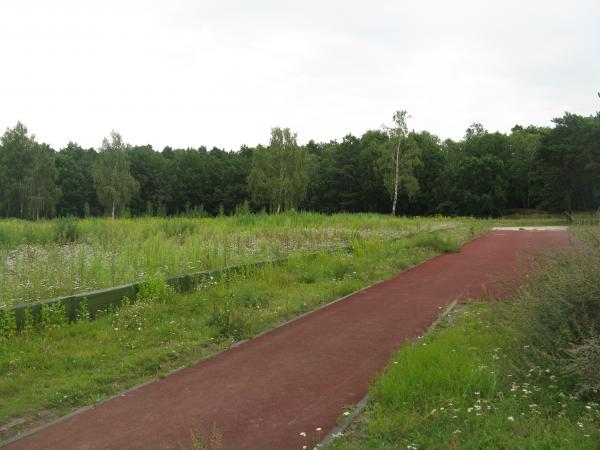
(53, 367)
(46, 259)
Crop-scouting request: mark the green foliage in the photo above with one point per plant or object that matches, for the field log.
(400, 157)
(558, 315)
(228, 319)
(242, 209)
(112, 178)
(437, 242)
(177, 228)
(154, 290)
(27, 175)
(568, 164)
(107, 253)
(483, 174)
(131, 315)
(8, 324)
(279, 174)
(83, 311)
(478, 400)
(66, 230)
(53, 315)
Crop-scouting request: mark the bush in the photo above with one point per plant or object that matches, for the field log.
(8, 324)
(228, 318)
(154, 289)
(53, 315)
(438, 243)
(175, 228)
(130, 315)
(558, 315)
(66, 230)
(242, 209)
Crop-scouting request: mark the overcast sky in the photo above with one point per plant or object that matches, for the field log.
(222, 73)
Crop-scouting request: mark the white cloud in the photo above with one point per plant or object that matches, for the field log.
(192, 73)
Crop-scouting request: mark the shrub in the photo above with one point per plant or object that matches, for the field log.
(558, 315)
(53, 315)
(438, 243)
(154, 290)
(130, 315)
(66, 230)
(242, 209)
(175, 228)
(228, 319)
(8, 324)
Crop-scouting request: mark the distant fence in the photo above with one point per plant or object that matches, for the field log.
(100, 300)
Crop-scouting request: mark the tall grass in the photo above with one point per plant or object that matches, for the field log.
(557, 316)
(460, 388)
(40, 260)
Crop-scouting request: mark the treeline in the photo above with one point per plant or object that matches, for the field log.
(484, 174)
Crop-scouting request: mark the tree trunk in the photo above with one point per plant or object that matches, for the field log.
(281, 178)
(396, 179)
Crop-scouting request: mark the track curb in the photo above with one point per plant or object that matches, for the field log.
(360, 407)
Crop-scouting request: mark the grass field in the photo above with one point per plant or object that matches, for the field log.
(45, 259)
(517, 374)
(52, 368)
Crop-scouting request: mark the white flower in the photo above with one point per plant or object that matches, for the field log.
(318, 429)
(346, 413)
(511, 418)
(302, 433)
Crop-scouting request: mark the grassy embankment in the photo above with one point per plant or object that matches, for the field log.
(524, 373)
(47, 371)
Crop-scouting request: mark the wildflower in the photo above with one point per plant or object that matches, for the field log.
(511, 418)
(346, 413)
(318, 429)
(302, 433)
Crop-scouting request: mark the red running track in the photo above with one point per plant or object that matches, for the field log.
(298, 377)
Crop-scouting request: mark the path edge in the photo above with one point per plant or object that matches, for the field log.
(360, 407)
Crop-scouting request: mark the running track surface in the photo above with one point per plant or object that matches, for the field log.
(298, 377)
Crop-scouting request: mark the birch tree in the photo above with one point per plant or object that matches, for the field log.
(112, 178)
(279, 174)
(400, 156)
(27, 175)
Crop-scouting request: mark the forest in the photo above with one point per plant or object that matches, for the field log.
(387, 170)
